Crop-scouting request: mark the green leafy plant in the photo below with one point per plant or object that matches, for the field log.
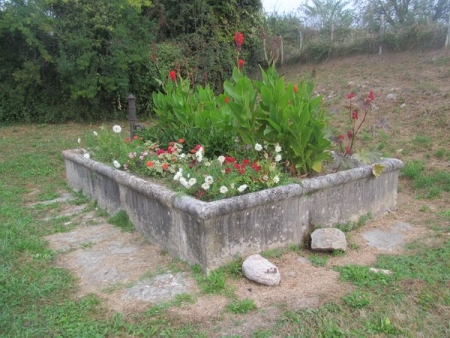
(282, 114)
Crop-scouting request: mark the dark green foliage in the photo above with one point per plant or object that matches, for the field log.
(73, 60)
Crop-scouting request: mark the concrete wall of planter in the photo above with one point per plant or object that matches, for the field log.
(211, 233)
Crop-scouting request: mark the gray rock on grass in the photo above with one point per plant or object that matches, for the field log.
(260, 270)
(328, 239)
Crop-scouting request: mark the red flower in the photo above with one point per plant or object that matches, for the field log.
(181, 141)
(295, 89)
(135, 137)
(227, 170)
(349, 134)
(355, 114)
(173, 75)
(241, 63)
(165, 166)
(197, 147)
(170, 149)
(229, 159)
(255, 166)
(127, 139)
(348, 150)
(150, 164)
(159, 152)
(245, 161)
(371, 96)
(351, 96)
(238, 40)
(226, 100)
(341, 137)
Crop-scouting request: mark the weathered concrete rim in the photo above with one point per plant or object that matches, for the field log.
(205, 210)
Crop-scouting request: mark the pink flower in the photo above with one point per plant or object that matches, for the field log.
(371, 96)
(351, 96)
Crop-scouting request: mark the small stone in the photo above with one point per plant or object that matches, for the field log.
(391, 96)
(403, 105)
(260, 270)
(386, 272)
(328, 239)
(292, 274)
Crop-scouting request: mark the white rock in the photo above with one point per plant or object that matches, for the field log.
(260, 270)
(386, 272)
(328, 239)
(403, 105)
(391, 96)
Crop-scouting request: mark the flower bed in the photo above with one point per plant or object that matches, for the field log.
(211, 233)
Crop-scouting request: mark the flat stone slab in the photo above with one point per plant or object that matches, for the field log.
(160, 288)
(387, 240)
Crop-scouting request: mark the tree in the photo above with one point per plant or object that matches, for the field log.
(327, 15)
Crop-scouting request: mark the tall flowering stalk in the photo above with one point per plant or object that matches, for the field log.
(355, 121)
(238, 42)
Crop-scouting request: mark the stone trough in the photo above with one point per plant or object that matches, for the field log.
(211, 233)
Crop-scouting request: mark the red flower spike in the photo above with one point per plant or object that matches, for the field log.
(295, 89)
(173, 75)
(348, 151)
(226, 100)
(355, 114)
(341, 137)
(349, 134)
(371, 96)
(241, 63)
(238, 40)
(351, 96)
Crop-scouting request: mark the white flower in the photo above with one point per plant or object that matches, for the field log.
(205, 186)
(184, 183)
(182, 156)
(278, 158)
(223, 189)
(95, 133)
(276, 179)
(116, 164)
(277, 148)
(117, 129)
(192, 181)
(258, 147)
(199, 154)
(178, 175)
(207, 164)
(265, 178)
(209, 180)
(86, 155)
(79, 140)
(242, 188)
(232, 186)
(221, 159)
(132, 155)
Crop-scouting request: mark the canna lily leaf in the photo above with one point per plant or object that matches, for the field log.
(377, 169)
(317, 167)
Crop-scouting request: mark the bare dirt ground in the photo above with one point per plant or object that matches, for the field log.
(110, 263)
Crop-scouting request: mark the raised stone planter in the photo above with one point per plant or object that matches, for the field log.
(211, 233)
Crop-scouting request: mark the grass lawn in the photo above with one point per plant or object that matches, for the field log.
(410, 121)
